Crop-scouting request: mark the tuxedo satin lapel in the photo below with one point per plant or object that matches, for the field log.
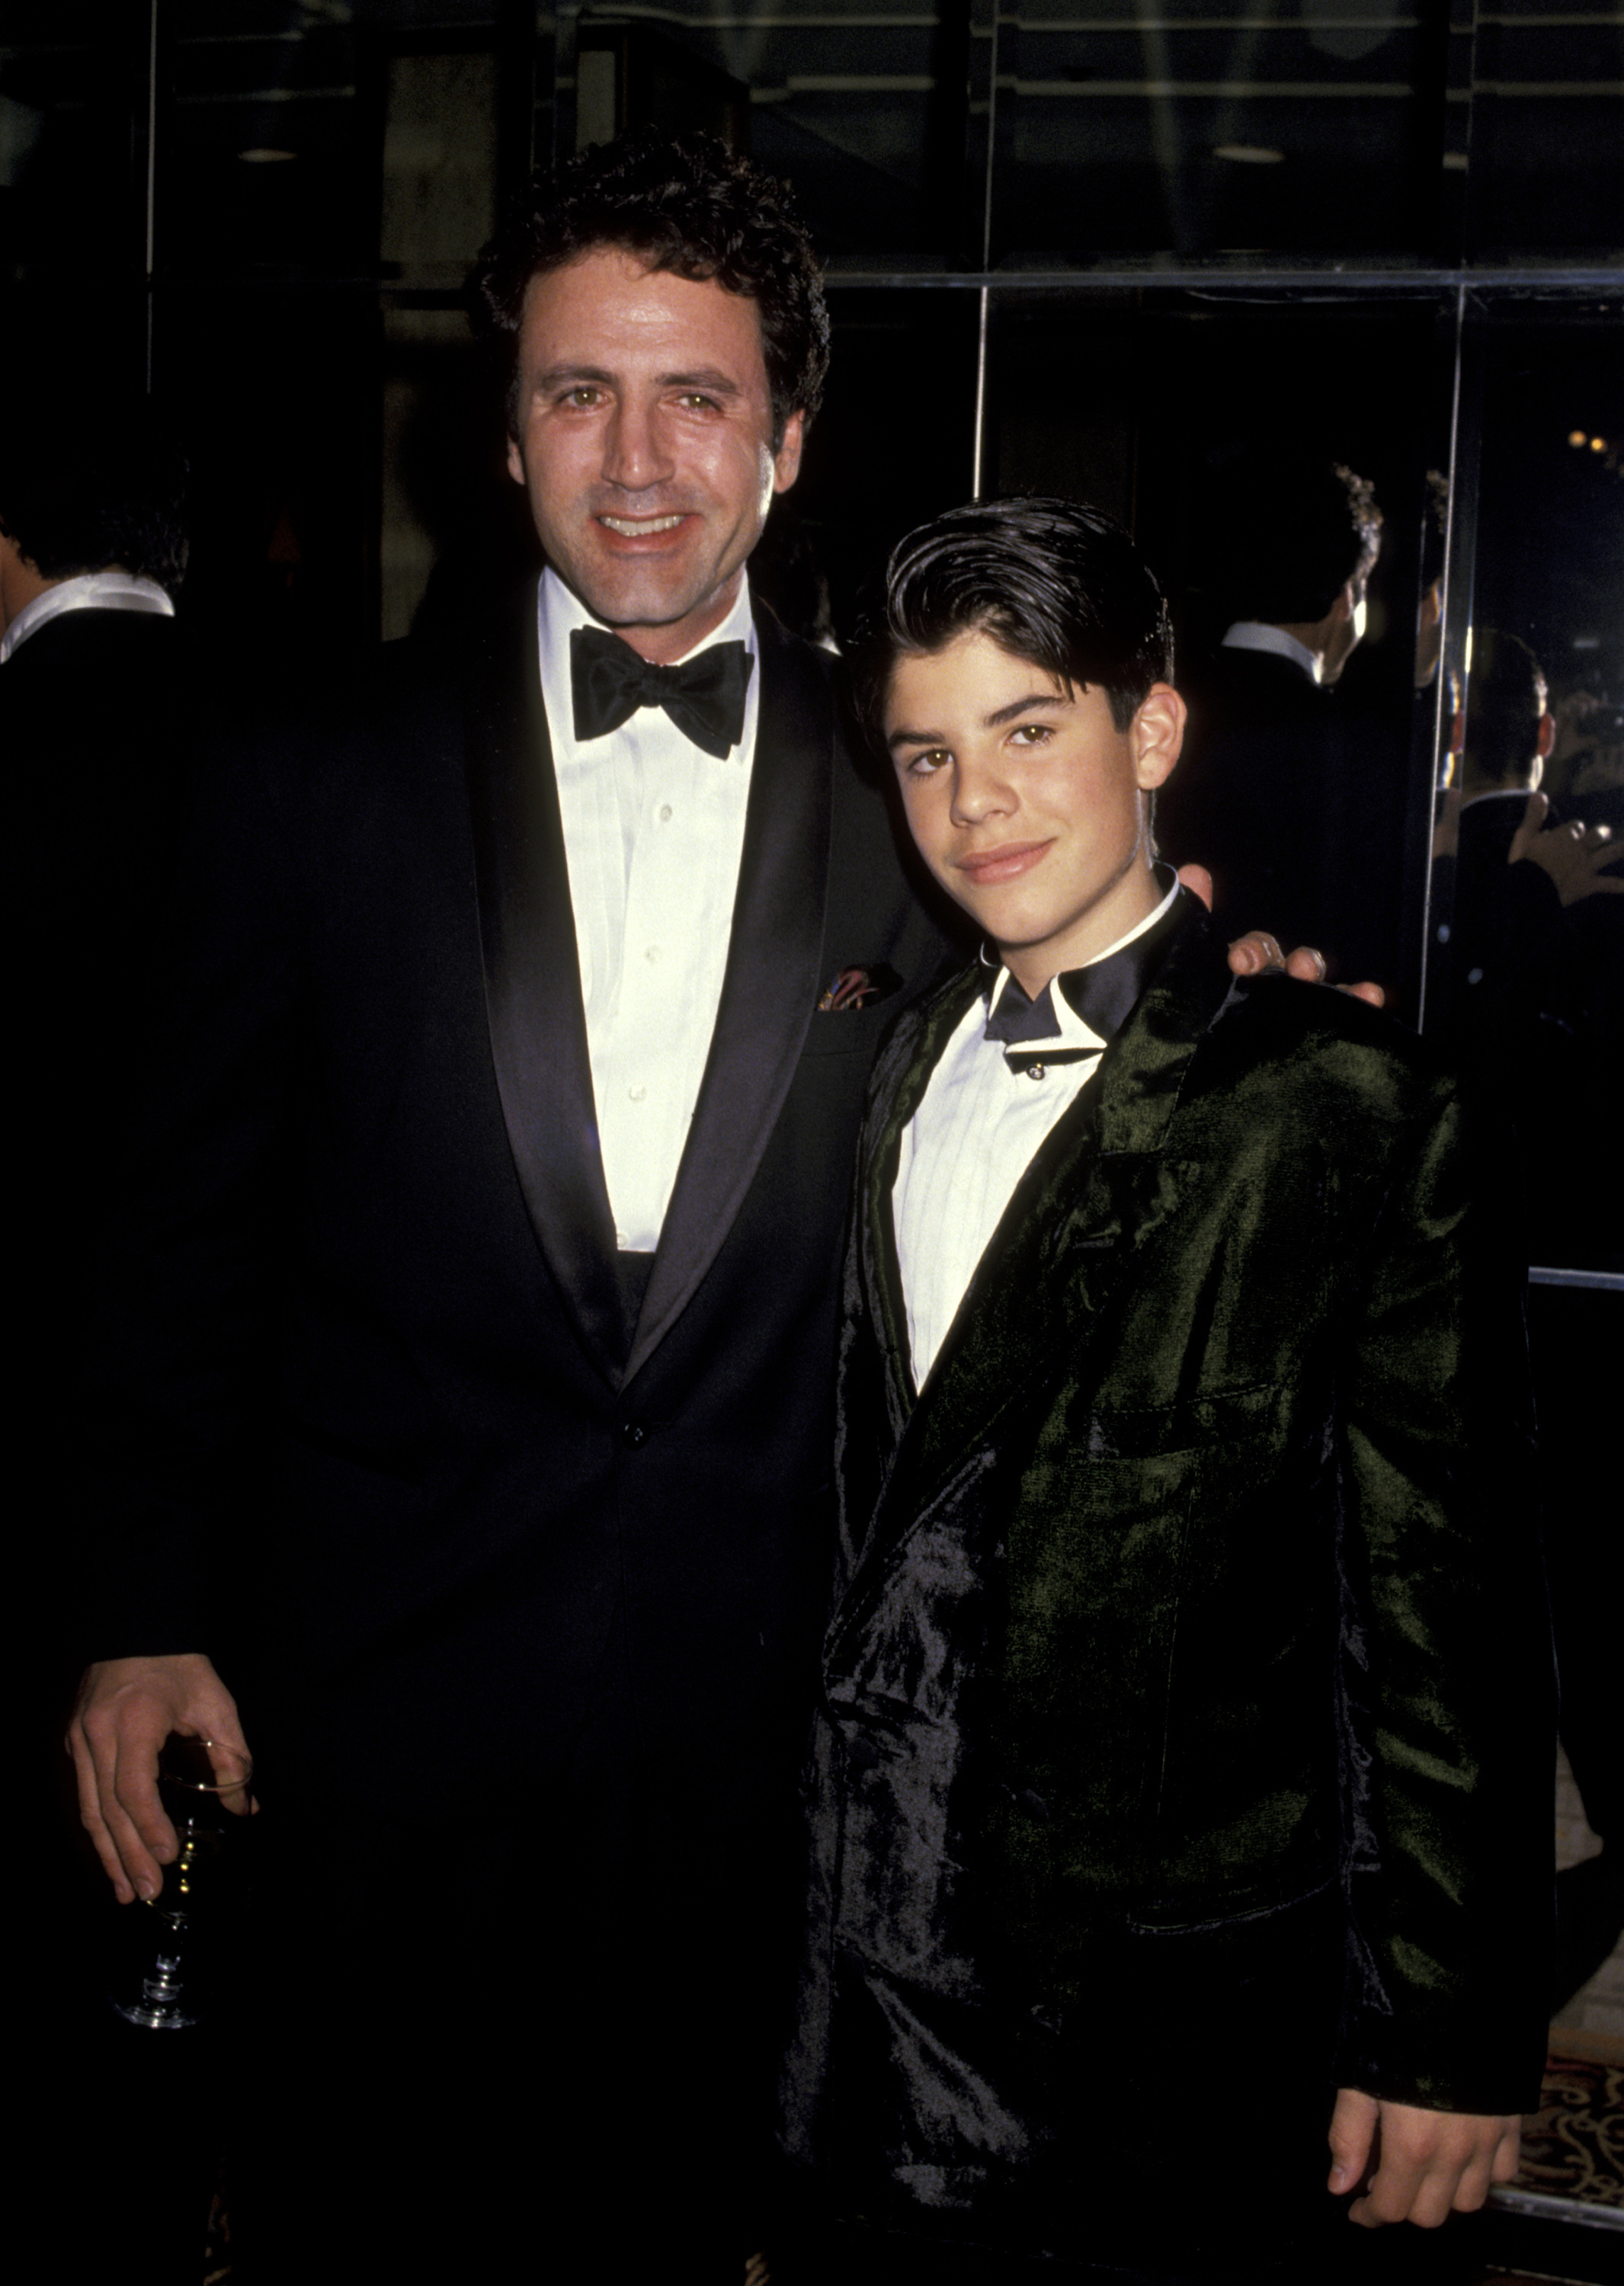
(771, 985)
(533, 981)
(881, 1270)
(1096, 1190)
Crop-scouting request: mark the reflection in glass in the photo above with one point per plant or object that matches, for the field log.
(1526, 916)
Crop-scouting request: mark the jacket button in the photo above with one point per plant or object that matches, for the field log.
(634, 1433)
(862, 1753)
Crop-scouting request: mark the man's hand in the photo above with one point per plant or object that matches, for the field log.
(1411, 2165)
(1251, 954)
(1573, 855)
(126, 1708)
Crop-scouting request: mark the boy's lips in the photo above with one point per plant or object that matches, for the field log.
(1006, 863)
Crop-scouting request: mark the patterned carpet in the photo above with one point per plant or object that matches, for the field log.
(1563, 2219)
(1574, 2146)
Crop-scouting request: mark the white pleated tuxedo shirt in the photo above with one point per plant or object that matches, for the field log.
(977, 1130)
(653, 830)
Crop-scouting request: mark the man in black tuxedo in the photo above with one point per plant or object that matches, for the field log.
(92, 550)
(1276, 792)
(467, 1444)
(468, 1441)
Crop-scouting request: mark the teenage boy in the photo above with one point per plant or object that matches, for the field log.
(1181, 1783)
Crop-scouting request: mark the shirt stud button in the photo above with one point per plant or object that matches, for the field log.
(637, 1092)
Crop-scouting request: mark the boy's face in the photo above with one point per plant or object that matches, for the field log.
(1030, 806)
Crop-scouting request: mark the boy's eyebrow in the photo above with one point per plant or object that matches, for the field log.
(1018, 706)
(1030, 704)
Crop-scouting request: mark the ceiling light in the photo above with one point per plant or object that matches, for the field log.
(1598, 444)
(260, 157)
(1577, 436)
(1247, 154)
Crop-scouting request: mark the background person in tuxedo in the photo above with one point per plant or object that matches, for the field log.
(467, 1446)
(1186, 1718)
(1271, 794)
(94, 696)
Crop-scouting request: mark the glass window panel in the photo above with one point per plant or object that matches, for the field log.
(863, 108)
(73, 138)
(1545, 152)
(893, 444)
(1526, 966)
(1205, 126)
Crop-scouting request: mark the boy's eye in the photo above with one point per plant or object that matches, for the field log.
(923, 765)
(1032, 734)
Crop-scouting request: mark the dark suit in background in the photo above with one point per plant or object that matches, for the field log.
(1271, 796)
(1186, 1733)
(516, 1581)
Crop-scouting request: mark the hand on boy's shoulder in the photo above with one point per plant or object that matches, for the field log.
(1256, 951)
(1408, 2165)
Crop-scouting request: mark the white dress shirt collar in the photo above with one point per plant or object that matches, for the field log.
(87, 591)
(1073, 1032)
(1257, 635)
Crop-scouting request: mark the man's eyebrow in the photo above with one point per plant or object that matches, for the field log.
(713, 383)
(557, 376)
(570, 376)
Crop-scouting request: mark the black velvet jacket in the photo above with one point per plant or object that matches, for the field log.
(1189, 1632)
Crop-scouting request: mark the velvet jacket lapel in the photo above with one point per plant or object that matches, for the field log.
(533, 981)
(1100, 1183)
(773, 978)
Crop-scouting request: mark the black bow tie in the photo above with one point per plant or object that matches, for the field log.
(705, 697)
(1101, 995)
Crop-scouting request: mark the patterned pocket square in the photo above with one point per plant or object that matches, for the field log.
(857, 988)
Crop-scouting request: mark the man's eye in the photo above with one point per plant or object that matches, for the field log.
(696, 401)
(583, 396)
(1032, 734)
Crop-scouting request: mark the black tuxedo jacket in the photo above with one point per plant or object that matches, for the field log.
(381, 1438)
(1279, 794)
(1186, 1695)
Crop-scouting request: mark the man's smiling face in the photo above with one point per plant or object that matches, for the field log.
(645, 443)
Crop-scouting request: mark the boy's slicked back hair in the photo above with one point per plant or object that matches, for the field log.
(1049, 580)
(687, 205)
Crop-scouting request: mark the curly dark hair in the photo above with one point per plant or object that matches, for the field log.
(1293, 526)
(88, 481)
(686, 205)
(1049, 580)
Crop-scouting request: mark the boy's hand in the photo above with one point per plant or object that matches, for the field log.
(1251, 954)
(1413, 2165)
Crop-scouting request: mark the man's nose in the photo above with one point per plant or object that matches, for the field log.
(636, 454)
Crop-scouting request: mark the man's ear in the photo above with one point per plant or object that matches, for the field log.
(1547, 735)
(1157, 736)
(515, 460)
(786, 459)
